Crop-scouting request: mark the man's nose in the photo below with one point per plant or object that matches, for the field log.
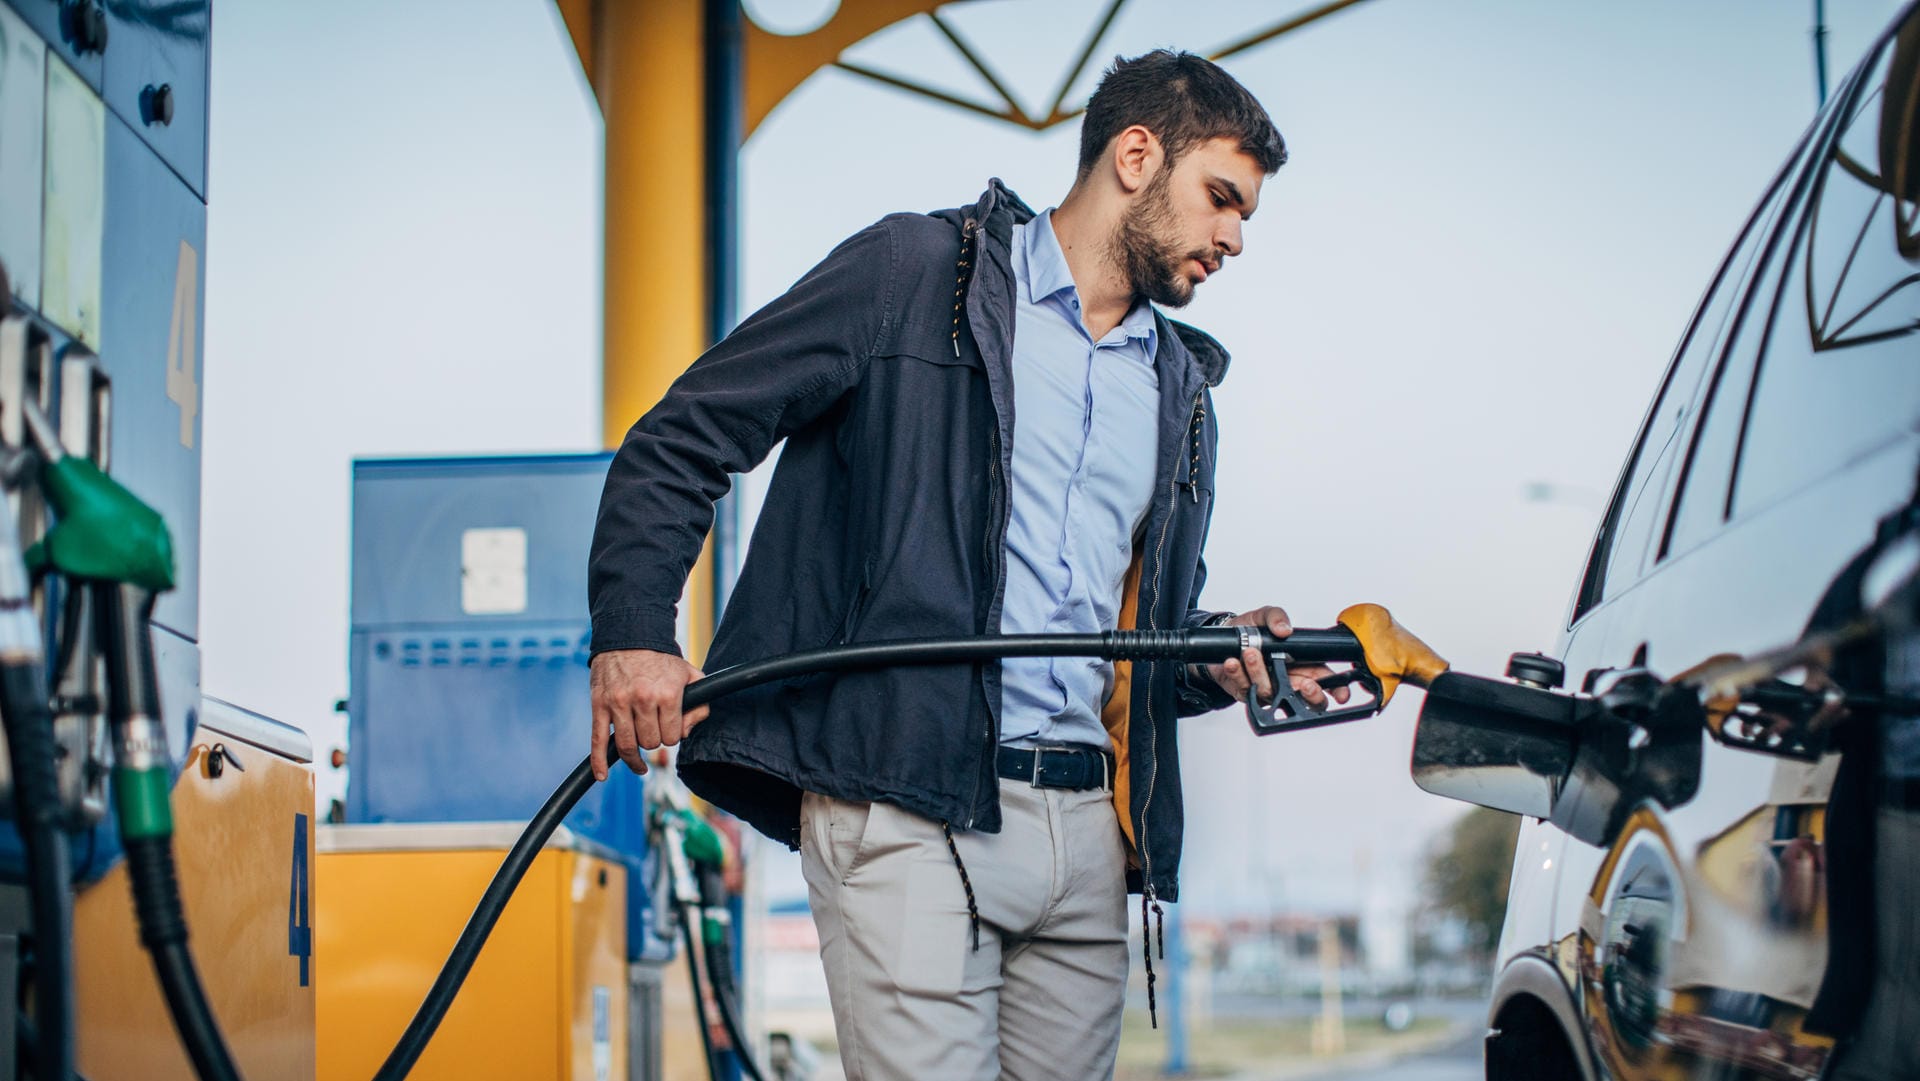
(1227, 239)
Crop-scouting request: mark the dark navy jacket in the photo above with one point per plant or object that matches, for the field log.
(887, 371)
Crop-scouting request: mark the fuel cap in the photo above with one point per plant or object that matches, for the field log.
(1536, 670)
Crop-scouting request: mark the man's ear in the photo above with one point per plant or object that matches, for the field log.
(1137, 156)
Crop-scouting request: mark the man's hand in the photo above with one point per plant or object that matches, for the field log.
(636, 692)
(1233, 675)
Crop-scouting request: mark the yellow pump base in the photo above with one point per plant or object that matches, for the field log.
(242, 810)
(546, 1000)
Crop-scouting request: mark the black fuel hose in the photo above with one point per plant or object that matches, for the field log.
(699, 1000)
(27, 1034)
(163, 930)
(719, 954)
(742, 1050)
(1197, 646)
(124, 616)
(717, 939)
(33, 755)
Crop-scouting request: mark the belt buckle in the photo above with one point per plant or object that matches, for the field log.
(1106, 772)
(1036, 768)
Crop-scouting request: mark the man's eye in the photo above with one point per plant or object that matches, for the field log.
(1218, 200)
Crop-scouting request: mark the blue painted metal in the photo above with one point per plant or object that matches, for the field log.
(150, 214)
(45, 16)
(150, 44)
(460, 717)
(726, 121)
(155, 44)
(153, 207)
(1176, 1064)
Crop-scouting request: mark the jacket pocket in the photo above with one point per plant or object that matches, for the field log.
(848, 625)
(857, 606)
(929, 343)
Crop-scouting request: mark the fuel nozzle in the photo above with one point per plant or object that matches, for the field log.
(104, 533)
(1381, 655)
(117, 547)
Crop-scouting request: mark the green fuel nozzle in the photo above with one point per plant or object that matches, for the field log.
(104, 533)
(109, 543)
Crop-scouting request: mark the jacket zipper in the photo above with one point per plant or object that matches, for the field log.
(1149, 898)
(995, 540)
(1153, 612)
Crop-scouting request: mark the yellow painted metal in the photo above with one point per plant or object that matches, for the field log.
(776, 65)
(646, 70)
(234, 847)
(387, 920)
(647, 75)
(578, 17)
(682, 1055)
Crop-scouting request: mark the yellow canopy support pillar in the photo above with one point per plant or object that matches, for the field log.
(670, 218)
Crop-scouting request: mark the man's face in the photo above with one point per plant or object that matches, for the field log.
(1187, 221)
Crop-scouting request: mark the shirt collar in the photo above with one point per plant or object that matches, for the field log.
(1047, 270)
(1048, 275)
(1140, 323)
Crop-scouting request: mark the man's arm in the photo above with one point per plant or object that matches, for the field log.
(779, 371)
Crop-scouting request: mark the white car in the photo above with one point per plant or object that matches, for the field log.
(1719, 876)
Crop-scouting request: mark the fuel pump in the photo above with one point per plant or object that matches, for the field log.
(693, 861)
(119, 552)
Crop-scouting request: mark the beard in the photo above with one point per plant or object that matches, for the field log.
(1152, 264)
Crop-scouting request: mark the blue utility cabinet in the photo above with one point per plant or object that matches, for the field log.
(468, 650)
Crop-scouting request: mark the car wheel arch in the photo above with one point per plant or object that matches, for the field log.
(1532, 1014)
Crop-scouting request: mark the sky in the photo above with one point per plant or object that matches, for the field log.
(1459, 292)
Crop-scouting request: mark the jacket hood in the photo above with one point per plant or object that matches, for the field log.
(998, 210)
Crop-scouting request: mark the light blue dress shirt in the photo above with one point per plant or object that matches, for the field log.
(1084, 444)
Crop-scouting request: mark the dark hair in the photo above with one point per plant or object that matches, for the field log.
(1184, 100)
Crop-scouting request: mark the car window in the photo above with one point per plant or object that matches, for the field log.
(1621, 543)
(1701, 490)
(1838, 373)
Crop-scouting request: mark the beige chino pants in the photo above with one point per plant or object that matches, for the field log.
(1040, 999)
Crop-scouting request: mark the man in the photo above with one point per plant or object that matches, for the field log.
(988, 428)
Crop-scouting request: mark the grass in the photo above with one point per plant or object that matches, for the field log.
(1229, 1048)
(1238, 1046)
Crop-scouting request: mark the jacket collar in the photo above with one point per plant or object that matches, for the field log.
(995, 214)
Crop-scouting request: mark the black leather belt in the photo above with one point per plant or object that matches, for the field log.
(1057, 767)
